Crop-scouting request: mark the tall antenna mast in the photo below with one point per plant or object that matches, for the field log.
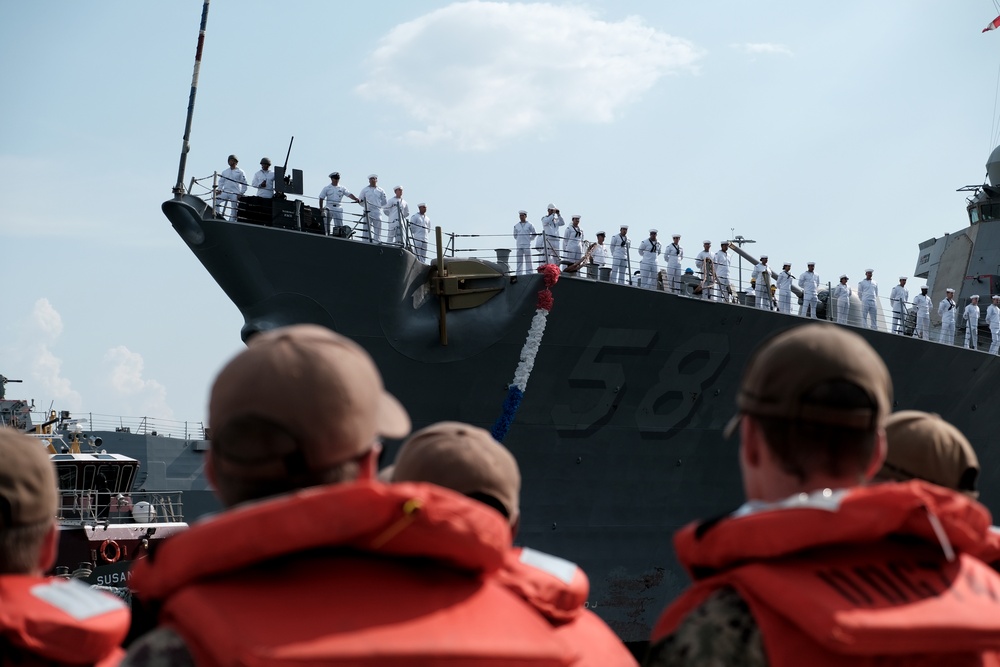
(186, 146)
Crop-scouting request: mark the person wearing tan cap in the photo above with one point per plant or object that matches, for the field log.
(993, 320)
(468, 460)
(899, 297)
(314, 561)
(923, 446)
(971, 318)
(45, 621)
(868, 294)
(922, 304)
(817, 568)
(947, 310)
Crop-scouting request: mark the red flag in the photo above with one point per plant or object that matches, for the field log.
(994, 24)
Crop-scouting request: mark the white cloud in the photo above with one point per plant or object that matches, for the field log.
(474, 74)
(763, 48)
(43, 329)
(147, 397)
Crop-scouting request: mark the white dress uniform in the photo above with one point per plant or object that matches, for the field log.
(721, 260)
(946, 309)
(524, 231)
(599, 254)
(922, 303)
(550, 237)
(762, 276)
(868, 293)
(649, 250)
(620, 245)
(898, 298)
(420, 225)
(809, 283)
(573, 243)
(707, 282)
(674, 253)
(232, 184)
(842, 298)
(397, 210)
(784, 285)
(374, 200)
(993, 319)
(971, 317)
(264, 182)
(333, 194)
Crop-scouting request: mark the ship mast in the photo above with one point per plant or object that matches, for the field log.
(186, 146)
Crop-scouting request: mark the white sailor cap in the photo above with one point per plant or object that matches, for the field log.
(677, 236)
(421, 205)
(653, 231)
(623, 227)
(551, 207)
(398, 187)
(843, 276)
(601, 233)
(950, 289)
(522, 212)
(763, 256)
(869, 270)
(923, 287)
(724, 242)
(810, 263)
(902, 277)
(576, 217)
(974, 296)
(996, 296)
(372, 175)
(787, 264)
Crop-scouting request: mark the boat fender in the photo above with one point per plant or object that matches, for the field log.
(115, 551)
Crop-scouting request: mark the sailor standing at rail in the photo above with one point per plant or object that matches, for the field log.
(842, 299)
(971, 317)
(868, 293)
(809, 282)
(946, 309)
(599, 251)
(397, 210)
(374, 200)
(263, 180)
(993, 319)
(762, 278)
(232, 184)
(674, 253)
(784, 284)
(573, 241)
(898, 298)
(649, 250)
(704, 263)
(551, 223)
(332, 195)
(721, 260)
(420, 224)
(619, 256)
(922, 303)
(524, 231)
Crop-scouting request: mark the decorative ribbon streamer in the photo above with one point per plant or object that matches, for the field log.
(515, 391)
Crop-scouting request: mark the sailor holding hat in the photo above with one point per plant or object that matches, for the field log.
(898, 298)
(649, 250)
(868, 293)
(993, 319)
(809, 282)
(762, 279)
(842, 299)
(674, 253)
(573, 241)
(946, 309)
(784, 285)
(971, 317)
(523, 233)
(922, 303)
(619, 256)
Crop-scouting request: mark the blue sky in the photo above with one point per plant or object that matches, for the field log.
(833, 133)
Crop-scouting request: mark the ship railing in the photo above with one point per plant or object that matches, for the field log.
(167, 428)
(91, 506)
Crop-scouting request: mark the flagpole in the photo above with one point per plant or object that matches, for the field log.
(186, 146)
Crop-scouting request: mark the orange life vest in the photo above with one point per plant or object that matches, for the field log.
(361, 573)
(856, 577)
(58, 621)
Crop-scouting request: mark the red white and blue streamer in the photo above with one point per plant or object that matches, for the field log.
(515, 391)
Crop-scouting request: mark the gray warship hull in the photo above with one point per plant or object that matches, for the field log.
(619, 435)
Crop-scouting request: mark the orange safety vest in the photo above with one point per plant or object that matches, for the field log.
(559, 589)
(854, 577)
(364, 573)
(56, 621)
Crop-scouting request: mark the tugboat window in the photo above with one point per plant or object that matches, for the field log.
(974, 215)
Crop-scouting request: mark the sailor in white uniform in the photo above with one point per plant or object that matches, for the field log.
(707, 271)
(947, 309)
(762, 280)
(332, 195)
(923, 303)
(809, 282)
(971, 317)
(993, 319)
(397, 210)
(374, 200)
(420, 225)
(842, 299)
(263, 180)
(620, 245)
(550, 235)
(868, 293)
(784, 284)
(524, 231)
(649, 250)
(599, 253)
(232, 184)
(898, 298)
(573, 241)
(721, 260)
(674, 253)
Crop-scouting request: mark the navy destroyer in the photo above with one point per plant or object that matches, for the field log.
(617, 423)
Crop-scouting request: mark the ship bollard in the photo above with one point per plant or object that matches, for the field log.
(503, 258)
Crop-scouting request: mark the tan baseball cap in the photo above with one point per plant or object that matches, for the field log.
(321, 387)
(462, 458)
(28, 494)
(924, 446)
(785, 368)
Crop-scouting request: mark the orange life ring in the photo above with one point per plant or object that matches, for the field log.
(116, 551)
